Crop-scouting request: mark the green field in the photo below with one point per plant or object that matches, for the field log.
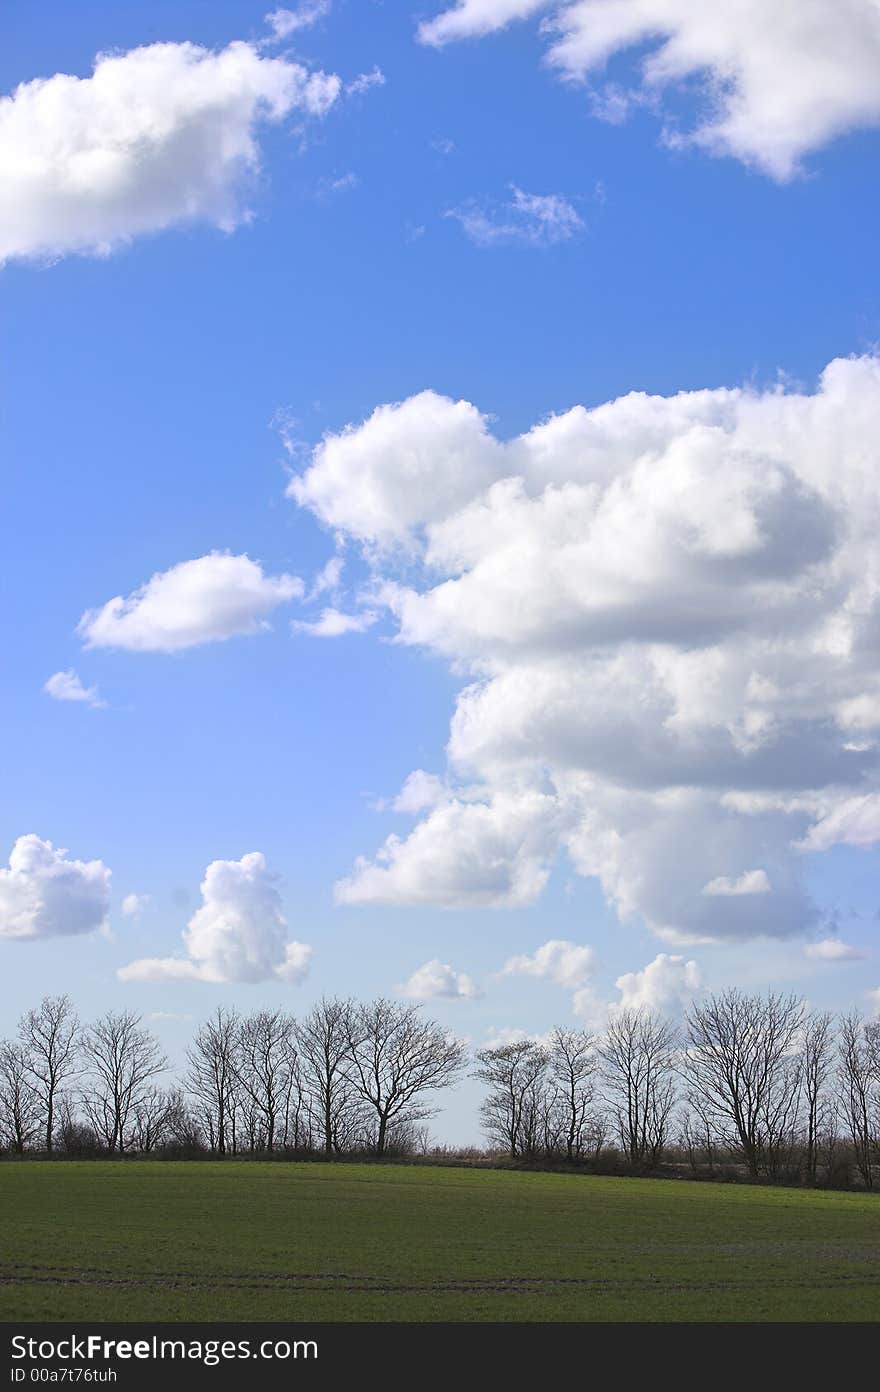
(163, 1240)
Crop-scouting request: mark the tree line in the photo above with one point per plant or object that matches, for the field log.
(751, 1085)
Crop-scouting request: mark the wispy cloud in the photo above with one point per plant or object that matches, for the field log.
(531, 219)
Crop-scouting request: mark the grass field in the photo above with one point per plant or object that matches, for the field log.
(163, 1240)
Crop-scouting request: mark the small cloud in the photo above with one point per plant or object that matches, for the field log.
(66, 686)
(333, 623)
(327, 188)
(413, 231)
(531, 219)
(45, 894)
(749, 882)
(833, 950)
(133, 905)
(364, 82)
(565, 963)
(206, 600)
(169, 1015)
(443, 146)
(436, 979)
(283, 23)
(328, 578)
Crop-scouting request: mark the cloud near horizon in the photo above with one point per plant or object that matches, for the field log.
(238, 934)
(44, 894)
(667, 614)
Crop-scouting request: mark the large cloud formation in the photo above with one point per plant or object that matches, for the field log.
(670, 612)
(44, 894)
(158, 136)
(238, 934)
(777, 80)
(206, 600)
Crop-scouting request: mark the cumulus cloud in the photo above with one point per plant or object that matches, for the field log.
(666, 985)
(238, 933)
(333, 623)
(749, 882)
(532, 219)
(775, 82)
(67, 686)
(133, 905)
(832, 950)
(565, 963)
(44, 894)
(201, 601)
(663, 609)
(493, 854)
(158, 136)
(437, 979)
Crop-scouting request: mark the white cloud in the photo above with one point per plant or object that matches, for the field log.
(853, 821)
(156, 137)
(43, 894)
(533, 219)
(499, 1038)
(420, 791)
(749, 882)
(469, 19)
(328, 579)
(283, 23)
(832, 950)
(333, 623)
(66, 686)
(662, 608)
(464, 854)
(437, 979)
(666, 985)
(776, 81)
(874, 998)
(565, 963)
(408, 464)
(133, 905)
(201, 601)
(239, 932)
(364, 82)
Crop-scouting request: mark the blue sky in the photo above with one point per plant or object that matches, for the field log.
(161, 391)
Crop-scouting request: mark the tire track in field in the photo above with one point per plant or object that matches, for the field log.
(349, 1283)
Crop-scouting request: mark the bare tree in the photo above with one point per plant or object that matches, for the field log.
(572, 1062)
(859, 1081)
(638, 1058)
(122, 1059)
(742, 1063)
(212, 1078)
(19, 1103)
(155, 1117)
(817, 1052)
(515, 1075)
(396, 1056)
(323, 1041)
(266, 1069)
(50, 1035)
